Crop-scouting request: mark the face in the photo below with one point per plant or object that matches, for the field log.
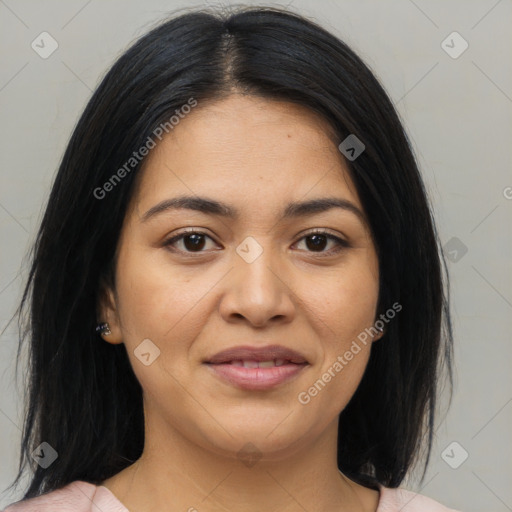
(193, 282)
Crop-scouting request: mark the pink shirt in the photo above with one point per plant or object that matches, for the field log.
(82, 496)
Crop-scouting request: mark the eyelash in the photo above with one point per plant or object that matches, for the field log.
(342, 244)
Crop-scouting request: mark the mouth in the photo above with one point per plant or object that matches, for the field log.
(256, 368)
(256, 375)
(248, 363)
(271, 353)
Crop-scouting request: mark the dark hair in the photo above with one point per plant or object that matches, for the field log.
(84, 399)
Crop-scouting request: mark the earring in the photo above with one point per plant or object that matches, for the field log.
(103, 329)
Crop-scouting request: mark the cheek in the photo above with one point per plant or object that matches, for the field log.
(343, 303)
(341, 306)
(157, 302)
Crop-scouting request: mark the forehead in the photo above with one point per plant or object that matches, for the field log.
(249, 147)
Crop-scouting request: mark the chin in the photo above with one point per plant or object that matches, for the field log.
(264, 440)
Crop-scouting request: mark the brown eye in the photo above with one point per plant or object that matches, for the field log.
(318, 240)
(192, 241)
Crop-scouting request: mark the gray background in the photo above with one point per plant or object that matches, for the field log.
(457, 112)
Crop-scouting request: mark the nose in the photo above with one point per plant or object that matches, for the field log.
(259, 292)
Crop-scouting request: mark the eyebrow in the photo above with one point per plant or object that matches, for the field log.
(213, 207)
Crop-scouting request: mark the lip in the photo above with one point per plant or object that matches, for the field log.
(257, 354)
(256, 378)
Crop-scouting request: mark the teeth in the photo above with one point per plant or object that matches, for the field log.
(259, 364)
(251, 364)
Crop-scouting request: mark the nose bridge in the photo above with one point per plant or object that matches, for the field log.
(257, 264)
(256, 291)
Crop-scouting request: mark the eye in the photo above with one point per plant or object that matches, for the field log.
(318, 239)
(195, 241)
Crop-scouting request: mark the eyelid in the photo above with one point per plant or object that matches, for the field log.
(322, 231)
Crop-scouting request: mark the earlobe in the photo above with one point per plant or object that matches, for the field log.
(108, 322)
(382, 331)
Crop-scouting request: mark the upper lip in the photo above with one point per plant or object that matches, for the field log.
(248, 353)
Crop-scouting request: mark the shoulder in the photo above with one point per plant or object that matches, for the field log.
(78, 496)
(394, 500)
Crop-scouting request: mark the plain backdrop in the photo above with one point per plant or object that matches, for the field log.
(456, 103)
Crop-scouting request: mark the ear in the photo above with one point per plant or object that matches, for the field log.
(107, 312)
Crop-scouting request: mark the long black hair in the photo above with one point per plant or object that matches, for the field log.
(83, 398)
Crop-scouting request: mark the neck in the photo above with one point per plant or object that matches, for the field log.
(192, 478)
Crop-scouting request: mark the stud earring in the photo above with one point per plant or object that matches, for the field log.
(382, 330)
(103, 329)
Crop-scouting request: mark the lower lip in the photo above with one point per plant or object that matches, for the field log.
(256, 378)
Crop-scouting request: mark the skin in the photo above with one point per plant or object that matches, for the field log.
(256, 155)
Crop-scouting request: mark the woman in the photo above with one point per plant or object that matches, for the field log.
(193, 344)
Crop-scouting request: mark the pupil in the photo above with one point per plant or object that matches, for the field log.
(197, 244)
